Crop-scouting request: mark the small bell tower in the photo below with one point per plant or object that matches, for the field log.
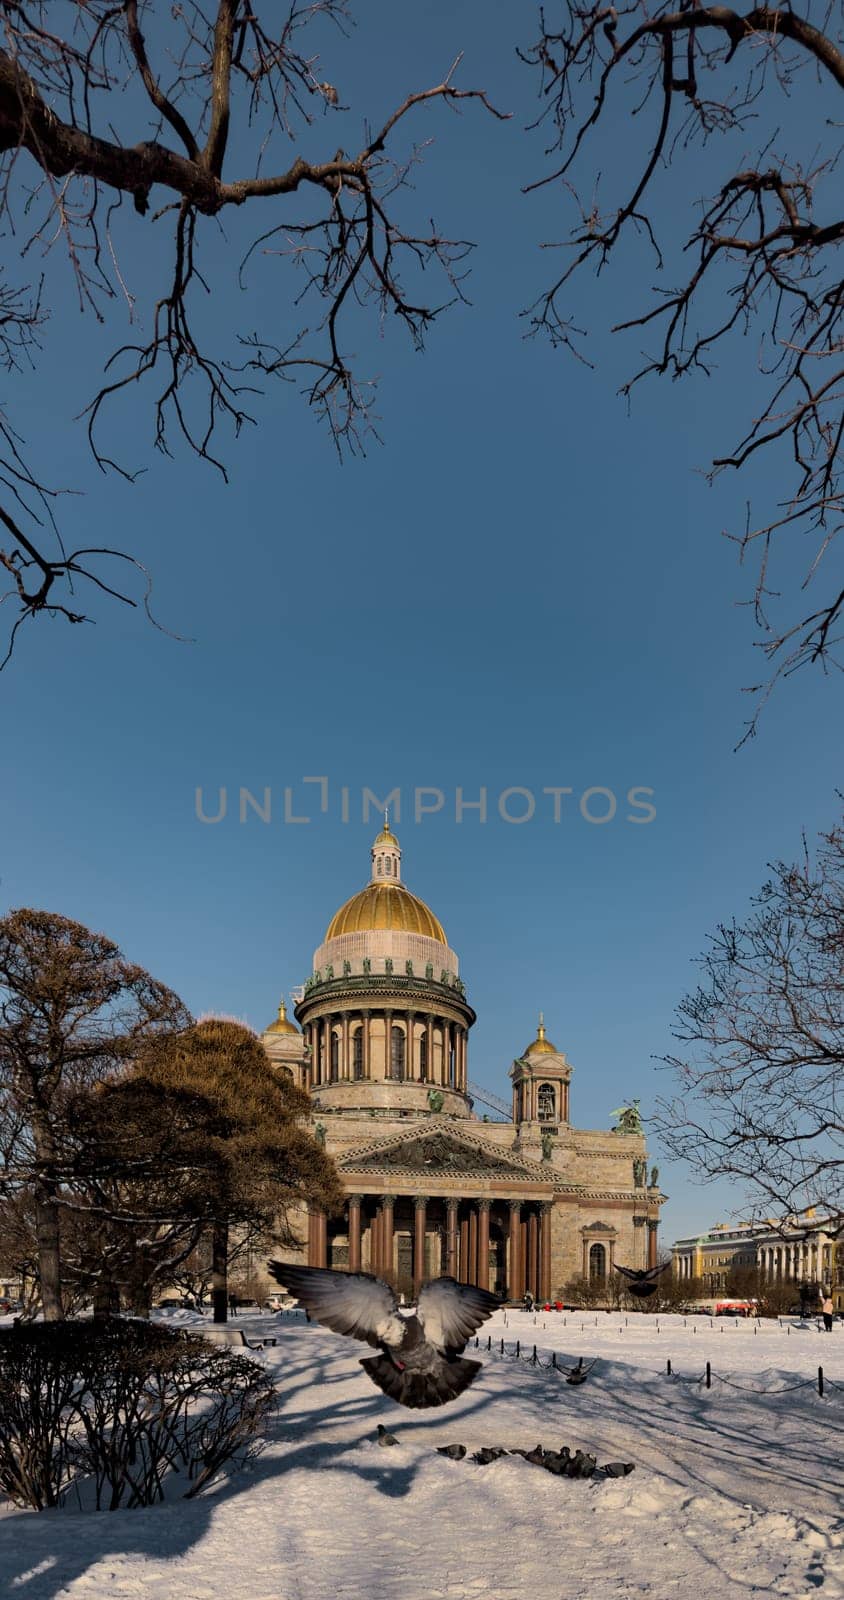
(541, 1079)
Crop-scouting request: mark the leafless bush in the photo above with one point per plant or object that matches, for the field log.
(121, 1407)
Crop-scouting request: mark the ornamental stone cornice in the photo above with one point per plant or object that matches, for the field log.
(377, 989)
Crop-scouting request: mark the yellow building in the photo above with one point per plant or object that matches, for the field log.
(382, 1046)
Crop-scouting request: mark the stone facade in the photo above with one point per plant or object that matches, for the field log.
(804, 1249)
(382, 1048)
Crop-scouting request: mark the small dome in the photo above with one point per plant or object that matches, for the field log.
(282, 1023)
(387, 837)
(386, 906)
(541, 1045)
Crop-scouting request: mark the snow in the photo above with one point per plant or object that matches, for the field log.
(737, 1490)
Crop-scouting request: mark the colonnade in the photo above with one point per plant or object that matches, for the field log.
(502, 1245)
(411, 1046)
(803, 1259)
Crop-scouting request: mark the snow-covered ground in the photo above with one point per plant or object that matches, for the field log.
(737, 1491)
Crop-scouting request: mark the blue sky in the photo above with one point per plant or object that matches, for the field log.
(522, 587)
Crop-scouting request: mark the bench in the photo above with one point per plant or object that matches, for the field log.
(236, 1336)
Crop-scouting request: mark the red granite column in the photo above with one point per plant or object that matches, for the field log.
(387, 1233)
(472, 1276)
(545, 1252)
(388, 1044)
(409, 1056)
(452, 1265)
(313, 1238)
(375, 1242)
(652, 1243)
(321, 1239)
(420, 1217)
(345, 1061)
(513, 1265)
(354, 1233)
(463, 1266)
(482, 1278)
(532, 1276)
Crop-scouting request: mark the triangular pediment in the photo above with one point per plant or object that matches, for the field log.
(441, 1152)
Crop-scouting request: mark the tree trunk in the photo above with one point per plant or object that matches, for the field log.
(49, 1259)
(220, 1271)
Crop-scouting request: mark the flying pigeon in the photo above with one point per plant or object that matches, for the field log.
(643, 1283)
(420, 1363)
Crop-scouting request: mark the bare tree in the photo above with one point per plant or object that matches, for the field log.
(761, 1075)
(762, 251)
(122, 115)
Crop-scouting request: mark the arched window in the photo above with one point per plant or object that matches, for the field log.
(597, 1263)
(379, 866)
(423, 1058)
(397, 1053)
(335, 1057)
(547, 1103)
(387, 866)
(357, 1054)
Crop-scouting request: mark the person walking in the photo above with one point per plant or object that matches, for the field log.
(826, 1312)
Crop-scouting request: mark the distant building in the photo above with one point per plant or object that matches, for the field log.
(521, 1204)
(797, 1250)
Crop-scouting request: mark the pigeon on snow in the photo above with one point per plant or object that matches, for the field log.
(420, 1362)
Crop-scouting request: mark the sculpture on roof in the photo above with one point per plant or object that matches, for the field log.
(629, 1118)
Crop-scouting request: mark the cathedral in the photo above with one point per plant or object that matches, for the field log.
(515, 1203)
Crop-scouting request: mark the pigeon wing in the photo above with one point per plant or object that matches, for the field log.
(451, 1312)
(353, 1303)
(630, 1272)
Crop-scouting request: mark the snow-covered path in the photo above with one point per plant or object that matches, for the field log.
(734, 1493)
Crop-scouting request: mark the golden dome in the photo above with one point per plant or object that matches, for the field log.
(387, 906)
(387, 837)
(281, 1024)
(541, 1045)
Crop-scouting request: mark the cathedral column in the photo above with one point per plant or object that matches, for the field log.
(345, 1064)
(513, 1265)
(388, 1044)
(451, 1260)
(444, 1031)
(482, 1277)
(317, 1238)
(429, 1048)
(472, 1276)
(545, 1251)
(463, 1261)
(420, 1217)
(409, 1062)
(532, 1276)
(366, 1045)
(325, 1076)
(652, 1243)
(354, 1233)
(387, 1233)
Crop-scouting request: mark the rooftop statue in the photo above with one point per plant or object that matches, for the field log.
(629, 1119)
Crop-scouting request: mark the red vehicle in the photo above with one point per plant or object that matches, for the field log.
(735, 1308)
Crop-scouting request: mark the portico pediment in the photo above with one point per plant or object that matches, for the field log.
(440, 1152)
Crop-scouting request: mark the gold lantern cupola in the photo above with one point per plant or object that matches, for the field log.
(282, 1022)
(541, 1046)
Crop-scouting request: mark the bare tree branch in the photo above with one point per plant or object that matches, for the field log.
(68, 98)
(764, 256)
